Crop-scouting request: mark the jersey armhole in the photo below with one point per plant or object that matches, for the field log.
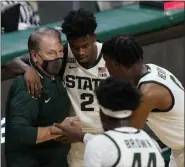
(168, 89)
(119, 151)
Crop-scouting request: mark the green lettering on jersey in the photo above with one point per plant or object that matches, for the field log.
(137, 160)
(152, 160)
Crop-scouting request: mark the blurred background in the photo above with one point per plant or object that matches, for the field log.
(158, 26)
(33, 13)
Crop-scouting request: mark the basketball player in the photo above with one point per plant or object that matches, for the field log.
(84, 69)
(126, 146)
(162, 102)
(162, 106)
(121, 145)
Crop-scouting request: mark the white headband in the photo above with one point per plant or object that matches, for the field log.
(116, 114)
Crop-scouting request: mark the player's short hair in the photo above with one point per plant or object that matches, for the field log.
(124, 49)
(118, 94)
(36, 36)
(79, 23)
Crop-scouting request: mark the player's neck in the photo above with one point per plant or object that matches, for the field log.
(144, 70)
(120, 124)
(123, 124)
(139, 73)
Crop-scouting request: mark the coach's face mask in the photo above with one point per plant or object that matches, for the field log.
(52, 67)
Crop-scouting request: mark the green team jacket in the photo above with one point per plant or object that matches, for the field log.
(24, 114)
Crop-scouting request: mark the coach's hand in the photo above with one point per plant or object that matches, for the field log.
(33, 82)
(71, 130)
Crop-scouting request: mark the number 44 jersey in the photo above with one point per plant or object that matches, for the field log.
(123, 147)
(80, 84)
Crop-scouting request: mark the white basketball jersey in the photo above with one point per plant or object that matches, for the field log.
(134, 148)
(80, 84)
(167, 125)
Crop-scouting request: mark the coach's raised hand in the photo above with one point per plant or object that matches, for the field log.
(33, 82)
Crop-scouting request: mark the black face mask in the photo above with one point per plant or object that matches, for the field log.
(52, 67)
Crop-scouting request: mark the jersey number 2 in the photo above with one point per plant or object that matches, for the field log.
(88, 99)
(137, 160)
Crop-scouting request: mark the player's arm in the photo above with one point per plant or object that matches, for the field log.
(71, 131)
(22, 111)
(20, 65)
(153, 96)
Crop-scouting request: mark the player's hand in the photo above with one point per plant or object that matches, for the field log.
(55, 130)
(33, 82)
(70, 120)
(66, 124)
(71, 130)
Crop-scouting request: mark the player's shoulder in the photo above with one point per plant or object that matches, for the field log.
(152, 90)
(95, 144)
(150, 83)
(99, 141)
(100, 137)
(152, 94)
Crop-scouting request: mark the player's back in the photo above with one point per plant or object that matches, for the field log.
(135, 148)
(168, 124)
